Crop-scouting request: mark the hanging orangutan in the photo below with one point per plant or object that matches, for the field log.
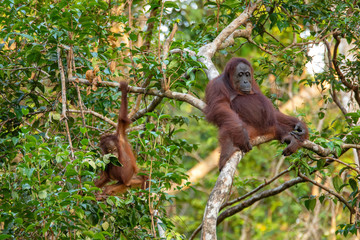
(118, 145)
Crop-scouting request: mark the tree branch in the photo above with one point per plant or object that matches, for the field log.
(350, 86)
(199, 104)
(63, 98)
(265, 194)
(245, 33)
(109, 121)
(219, 195)
(98, 115)
(207, 51)
(156, 101)
(341, 199)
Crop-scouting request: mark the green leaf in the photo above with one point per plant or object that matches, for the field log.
(320, 163)
(89, 233)
(85, 142)
(133, 36)
(92, 164)
(83, 130)
(85, 198)
(353, 184)
(63, 195)
(115, 161)
(25, 111)
(42, 194)
(337, 182)
(170, 4)
(70, 171)
(150, 126)
(19, 221)
(105, 226)
(310, 204)
(6, 236)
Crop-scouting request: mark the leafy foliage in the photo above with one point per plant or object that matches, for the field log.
(47, 188)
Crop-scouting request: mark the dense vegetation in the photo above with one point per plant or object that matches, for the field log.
(59, 61)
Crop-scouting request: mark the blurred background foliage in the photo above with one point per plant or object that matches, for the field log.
(47, 189)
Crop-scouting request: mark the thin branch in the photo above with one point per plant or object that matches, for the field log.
(260, 47)
(247, 203)
(341, 199)
(347, 146)
(82, 110)
(95, 114)
(265, 194)
(168, 94)
(229, 203)
(150, 26)
(340, 106)
(178, 50)
(63, 96)
(321, 151)
(341, 162)
(149, 32)
(350, 86)
(27, 115)
(166, 48)
(296, 44)
(109, 121)
(155, 102)
(139, 97)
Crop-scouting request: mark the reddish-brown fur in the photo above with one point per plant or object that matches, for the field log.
(118, 145)
(242, 117)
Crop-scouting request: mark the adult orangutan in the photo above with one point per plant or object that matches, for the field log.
(117, 144)
(237, 107)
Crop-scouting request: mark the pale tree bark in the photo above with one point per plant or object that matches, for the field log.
(218, 195)
(224, 181)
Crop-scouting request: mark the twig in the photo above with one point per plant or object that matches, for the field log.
(321, 151)
(95, 114)
(341, 162)
(229, 203)
(168, 94)
(139, 97)
(341, 199)
(163, 84)
(350, 86)
(112, 123)
(82, 111)
(295, 44)
(265, 194)
(260, 47)
(63, 96)
(347, 146)
(340, 106)
(155, 102)
(166, 48)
